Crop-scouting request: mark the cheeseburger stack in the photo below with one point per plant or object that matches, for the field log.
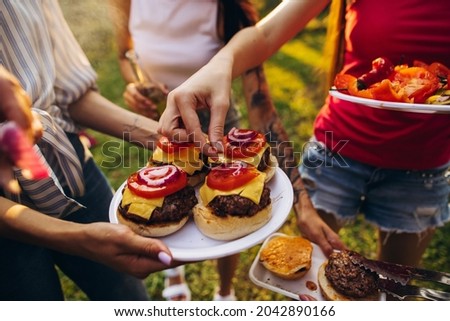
(183, 155)
(251, 147)
(234, 201)
(157, 201)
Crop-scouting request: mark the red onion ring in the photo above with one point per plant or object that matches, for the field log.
(158, 176)
(241, 135)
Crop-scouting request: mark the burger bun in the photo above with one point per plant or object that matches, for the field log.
(229, 227)
(152, 230)
(288, 257)
(271, 168)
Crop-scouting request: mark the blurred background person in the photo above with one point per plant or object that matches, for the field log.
(162, 43)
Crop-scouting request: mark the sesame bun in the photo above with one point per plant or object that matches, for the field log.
(288, 257)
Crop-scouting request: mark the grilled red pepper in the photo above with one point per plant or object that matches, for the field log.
(382, 68)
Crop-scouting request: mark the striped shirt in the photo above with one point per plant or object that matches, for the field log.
(38, 47)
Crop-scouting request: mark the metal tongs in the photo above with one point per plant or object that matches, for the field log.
(394, 279)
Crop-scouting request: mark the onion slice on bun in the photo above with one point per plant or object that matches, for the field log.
(157, 201)
(250, 146)
(234, 201)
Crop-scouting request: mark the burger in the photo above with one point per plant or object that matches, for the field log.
(288, 257)
(184, 155)
(250, 146)
(340, 279)
(234, 201)
(157, 201)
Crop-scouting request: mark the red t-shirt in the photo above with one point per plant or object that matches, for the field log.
(403, 31)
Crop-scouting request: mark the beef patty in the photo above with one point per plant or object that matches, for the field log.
(348, 278)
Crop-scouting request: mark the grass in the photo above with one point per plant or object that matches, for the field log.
(295, 82)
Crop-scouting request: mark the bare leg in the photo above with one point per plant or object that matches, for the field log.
(403, 248)
(226, 266)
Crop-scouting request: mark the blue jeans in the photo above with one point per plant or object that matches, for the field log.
(394, 200)
(29, 272)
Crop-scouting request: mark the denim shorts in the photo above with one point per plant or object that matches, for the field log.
(394, 200)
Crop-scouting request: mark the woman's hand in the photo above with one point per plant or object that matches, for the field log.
(118, 246)
(209, 88)
(137, 96)
(314, 228)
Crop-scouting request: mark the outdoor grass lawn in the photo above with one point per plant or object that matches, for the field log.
(296, 87)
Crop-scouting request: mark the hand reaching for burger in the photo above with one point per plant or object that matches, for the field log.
(123, 249)
(210, 88)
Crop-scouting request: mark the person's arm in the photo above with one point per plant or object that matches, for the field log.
(119, 11)
(133, 95)
(210, 86)
(98, 113)
(111, 244)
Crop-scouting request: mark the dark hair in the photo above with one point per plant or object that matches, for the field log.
(236, 14)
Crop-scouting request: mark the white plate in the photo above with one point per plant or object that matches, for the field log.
(189, 244)
(414, 108)
(290, 288)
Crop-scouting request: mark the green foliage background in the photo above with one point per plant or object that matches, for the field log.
(296, 86)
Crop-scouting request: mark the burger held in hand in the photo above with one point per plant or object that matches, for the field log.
(340, 279)
(185, 156)
(250, 146)
(157, 201)
(234, 201)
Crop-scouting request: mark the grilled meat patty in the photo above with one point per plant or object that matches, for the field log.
(175, 207)
(236, 205)
(348, 278)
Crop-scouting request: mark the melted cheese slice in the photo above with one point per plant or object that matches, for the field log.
(188, 159)
(140, 206)
(253, 160)
(252, 190)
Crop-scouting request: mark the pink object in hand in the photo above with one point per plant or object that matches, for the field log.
(18, 148)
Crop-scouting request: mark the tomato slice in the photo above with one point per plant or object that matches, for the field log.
(228, 176)
(158, 181)
(242, 143)
(173, 147)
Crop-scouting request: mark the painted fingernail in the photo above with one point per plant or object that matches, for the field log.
(165, 258)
